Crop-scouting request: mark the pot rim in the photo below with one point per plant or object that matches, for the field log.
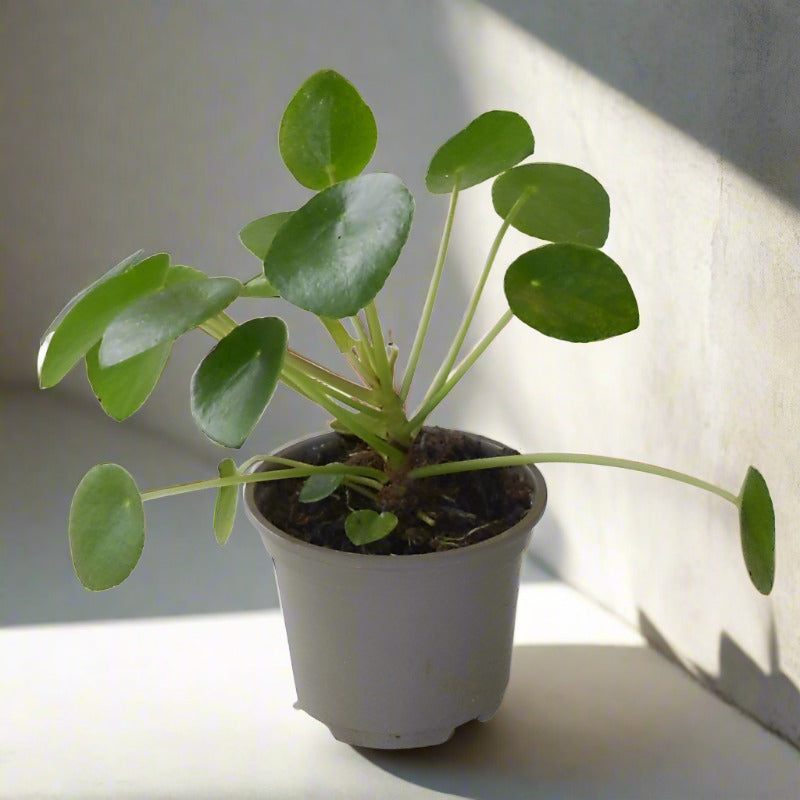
(380, 561)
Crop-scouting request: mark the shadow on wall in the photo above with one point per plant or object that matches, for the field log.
(725, 73)
(768, 695)
(583, 721)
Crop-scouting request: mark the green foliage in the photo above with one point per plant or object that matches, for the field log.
(489, 145)
(334, 254)
(571, 292)
(331, 257)
(757, 523)
(328, 132)
(235, 381)
(106, 527)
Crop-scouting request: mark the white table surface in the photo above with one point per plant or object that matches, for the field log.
(201, 707)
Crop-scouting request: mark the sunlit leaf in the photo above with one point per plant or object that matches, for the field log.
(334, 254)
(164, 316)
(571, 292)
(257, 235)
(82, 321)
(327, 132)
(554, 202)
(489, 145)
(757, 524)
(106, 527)
(319, 486)
(123, 388)
(226, 503)
(366, 525)
(235, 381)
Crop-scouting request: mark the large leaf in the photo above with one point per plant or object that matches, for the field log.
(123, 388)
(366, 525)
(554, 202)
(82, 321)
(757, 524)
(571, 292)
(164, 316)
(334, 254)
(489, 145)
(106, 527)
(226, 503)
(235, 381)
(327, 132)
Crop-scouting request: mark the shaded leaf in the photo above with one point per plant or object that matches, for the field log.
(259, 286)
(82, 321)
(257, 235)
(489, 145)
(106, 527)
(334, 254)
(327, 132)
(123, 388)
(757, 526)
(557, 203)
(235, 381)
(226, 503)
(164, 316)
(571, 292)
(319, 486)
(366, 525)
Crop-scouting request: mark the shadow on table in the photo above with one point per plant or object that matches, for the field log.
(620, 722)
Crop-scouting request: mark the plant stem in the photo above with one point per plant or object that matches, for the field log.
(430, 403)
(328, 377)
(430, 299)
(218, 326)
(571, 458)
(254, 477)
(379, 356)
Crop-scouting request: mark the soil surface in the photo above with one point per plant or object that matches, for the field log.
(438, 513)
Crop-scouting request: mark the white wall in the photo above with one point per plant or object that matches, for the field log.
(153, 125)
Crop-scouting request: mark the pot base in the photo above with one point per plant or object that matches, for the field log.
(377, 740)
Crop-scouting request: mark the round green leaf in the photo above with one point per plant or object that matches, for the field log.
(123, 388)
(235, 381)
(327, 132)
(489, 145)
(366, 525)
(106, 527)
(757, 526)
(571, 292)
(319, 486)
(164, 316)
(334, 254)
(82, 321)
(257, 235)
(554, 202)
(226, 503)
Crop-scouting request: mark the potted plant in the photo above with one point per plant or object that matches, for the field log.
(397, 546)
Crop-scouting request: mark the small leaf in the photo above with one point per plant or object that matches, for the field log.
(259, 286)
(226, 504)
(557, 203)
(123, 388)
(319, 486)
(366, 525)
(571, 292)
(489, 145)
(334, 254)
(82, 321)
(164, 316)
(327, 132)
(235, 381)
(257, 235)
(106, 527)
(757, 524)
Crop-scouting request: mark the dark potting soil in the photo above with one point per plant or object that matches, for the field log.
(437, 513)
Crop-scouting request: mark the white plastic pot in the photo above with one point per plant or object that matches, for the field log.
(397, 651)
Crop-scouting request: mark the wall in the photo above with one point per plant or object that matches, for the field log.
(153, 125)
